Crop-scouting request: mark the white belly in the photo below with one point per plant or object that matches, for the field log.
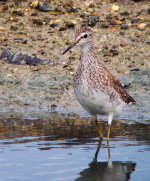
(96, 102)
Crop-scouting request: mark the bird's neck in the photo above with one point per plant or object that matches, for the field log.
(87, 54)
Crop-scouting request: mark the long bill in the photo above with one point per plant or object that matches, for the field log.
(71, 46)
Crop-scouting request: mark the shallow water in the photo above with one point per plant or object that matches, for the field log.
(55, 157)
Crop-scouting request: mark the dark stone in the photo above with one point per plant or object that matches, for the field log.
(72, 10)
(122, 33)
(70, 25)
(24, 42)
(135, 69)
(47, 19)
(148, 42)
(148, 11)
(19, 58)
(18, 13)
(82, 16)
(34, 14)
(20, 40)
(105, 25)
(114, 52)
(125, 13)
(14, 28)
(135, 21)
(44, 7)
(54, 25)
(93, 20)
(62, 28)
(38, 22)
(124, 27)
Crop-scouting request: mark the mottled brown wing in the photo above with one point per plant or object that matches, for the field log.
(110, 80)
(122, 92)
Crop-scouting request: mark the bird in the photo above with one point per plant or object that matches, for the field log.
(96, 89)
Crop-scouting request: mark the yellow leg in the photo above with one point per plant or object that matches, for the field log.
(99, 128)
(108, 133)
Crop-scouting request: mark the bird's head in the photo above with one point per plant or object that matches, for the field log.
(83, 37)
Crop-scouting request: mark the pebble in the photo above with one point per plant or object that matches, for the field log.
(70, 25)
(38, 22)
(114, 52)
(93, 20)
(141, 26)
(3, 8)
(125, 13)
(18, 12)
(72, 10)
(123, 43)
(14, 28)
(91, 10)
(47, 19)
(44, 7)
(122, 33)
(124, 27)
(54, 25)
(115, 7)
(2, 29)
(34, 4)
(135, 69)
(62, 28)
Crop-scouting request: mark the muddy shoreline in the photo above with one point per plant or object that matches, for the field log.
(37, 91)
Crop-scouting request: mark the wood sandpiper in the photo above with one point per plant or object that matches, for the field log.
(96, 89)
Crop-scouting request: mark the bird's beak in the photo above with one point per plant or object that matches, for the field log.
(71, 46)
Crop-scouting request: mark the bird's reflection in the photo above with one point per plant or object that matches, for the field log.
(107, 171)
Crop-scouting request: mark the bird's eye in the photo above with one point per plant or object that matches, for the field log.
(85, 36)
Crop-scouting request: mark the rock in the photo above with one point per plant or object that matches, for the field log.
(135, 69)
(18, 12)
(3, 8)
(14, 28)
(93, 20)
(115, 22)
(62, 28)
(34, 14)
(135, 21)
(41, 6)
(125, 13)
(105, 25)
(70, 25)
(20, 40)
(47, 19)
(90, 10)
(19, 58)
(123, 43)
(115, 7)
(72, 10)
(34, 4)
(122, 33)
(44, 7)
(38, 22)
(114, 52)
(2, 29)
(142, 26)
(54, 25)
(124, 27)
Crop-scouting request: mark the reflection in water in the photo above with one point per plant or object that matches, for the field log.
(107, 171)
(100, 171)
